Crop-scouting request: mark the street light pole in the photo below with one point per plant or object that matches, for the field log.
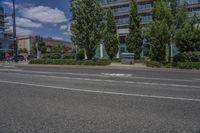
(14, 33)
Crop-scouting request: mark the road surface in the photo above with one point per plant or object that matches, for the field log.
(50, 99)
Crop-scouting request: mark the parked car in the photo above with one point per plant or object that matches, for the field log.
(19, 57)
(31, 57)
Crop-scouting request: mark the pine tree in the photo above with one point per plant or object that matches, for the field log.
(110, 35)
(134, 39)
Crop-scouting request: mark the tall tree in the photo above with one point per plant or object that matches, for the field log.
(156, 35)
(134, 39)
(173, 15)
(86, 25)
(188, 38)
(110, 35)
(39, 46)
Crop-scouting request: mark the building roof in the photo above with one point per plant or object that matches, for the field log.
(45, 38)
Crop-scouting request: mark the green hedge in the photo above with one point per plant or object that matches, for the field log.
(187, 57)
(68, 56)
(52, 56)
(70, 62)
(188, 65)
(153, 64)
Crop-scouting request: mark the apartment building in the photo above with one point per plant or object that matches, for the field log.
(121, 11)
(6, 41)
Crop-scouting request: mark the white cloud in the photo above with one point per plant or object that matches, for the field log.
(44, 14)
(23, 31)
(57, 38)
(23, 22)
(66, 29)
(9, 4)
(63, 27)
(55, 25)
(17, 6)
(67, 33)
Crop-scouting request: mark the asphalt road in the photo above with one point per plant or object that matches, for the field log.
(56, 99)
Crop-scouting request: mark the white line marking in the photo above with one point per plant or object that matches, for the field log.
(11, 70)
(164, 79)
(99, 75)
(117, 74)
(9, 66)
(104, 92)
(113, 81)
(117, 81)
(63, 73)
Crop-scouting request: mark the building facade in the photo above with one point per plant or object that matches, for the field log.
(6, 41)
(121, 11)
(27, 42)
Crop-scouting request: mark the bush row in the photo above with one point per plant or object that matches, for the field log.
(70, 62)
(187, 57)
(188, 65)
(153, 64)
(181, 65)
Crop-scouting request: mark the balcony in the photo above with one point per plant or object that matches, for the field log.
(106, 3)
(120, 11)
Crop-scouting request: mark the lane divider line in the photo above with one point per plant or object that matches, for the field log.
(106, 75)
(103, 92)
(115, 81)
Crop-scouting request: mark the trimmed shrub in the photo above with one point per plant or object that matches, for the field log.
(188, 65)
(52, 56)
(116, 60)
(153, 64)
(80, 54)
(55, 56)
(139, 61)
(46, 56)
(169, 65)
(68, 56)
(187, 57)
(70, 62)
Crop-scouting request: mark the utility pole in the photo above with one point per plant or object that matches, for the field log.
(171, 48)
(14, 34)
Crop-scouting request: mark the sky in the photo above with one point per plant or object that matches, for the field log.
(48, 18)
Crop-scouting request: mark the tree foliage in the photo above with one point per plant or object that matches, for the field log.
(23, 50)
(156, 34)
(86, 25)
(188, 38)
(168, 16)
(110, 35)
(39, 44)
(59, 49)
(134, 39)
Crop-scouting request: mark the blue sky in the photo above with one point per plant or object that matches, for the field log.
(48, 18)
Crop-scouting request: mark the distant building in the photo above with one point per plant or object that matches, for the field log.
(6, 40)
(27, 42)
(121, 12)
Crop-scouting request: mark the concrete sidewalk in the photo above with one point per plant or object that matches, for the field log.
(136, 65)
